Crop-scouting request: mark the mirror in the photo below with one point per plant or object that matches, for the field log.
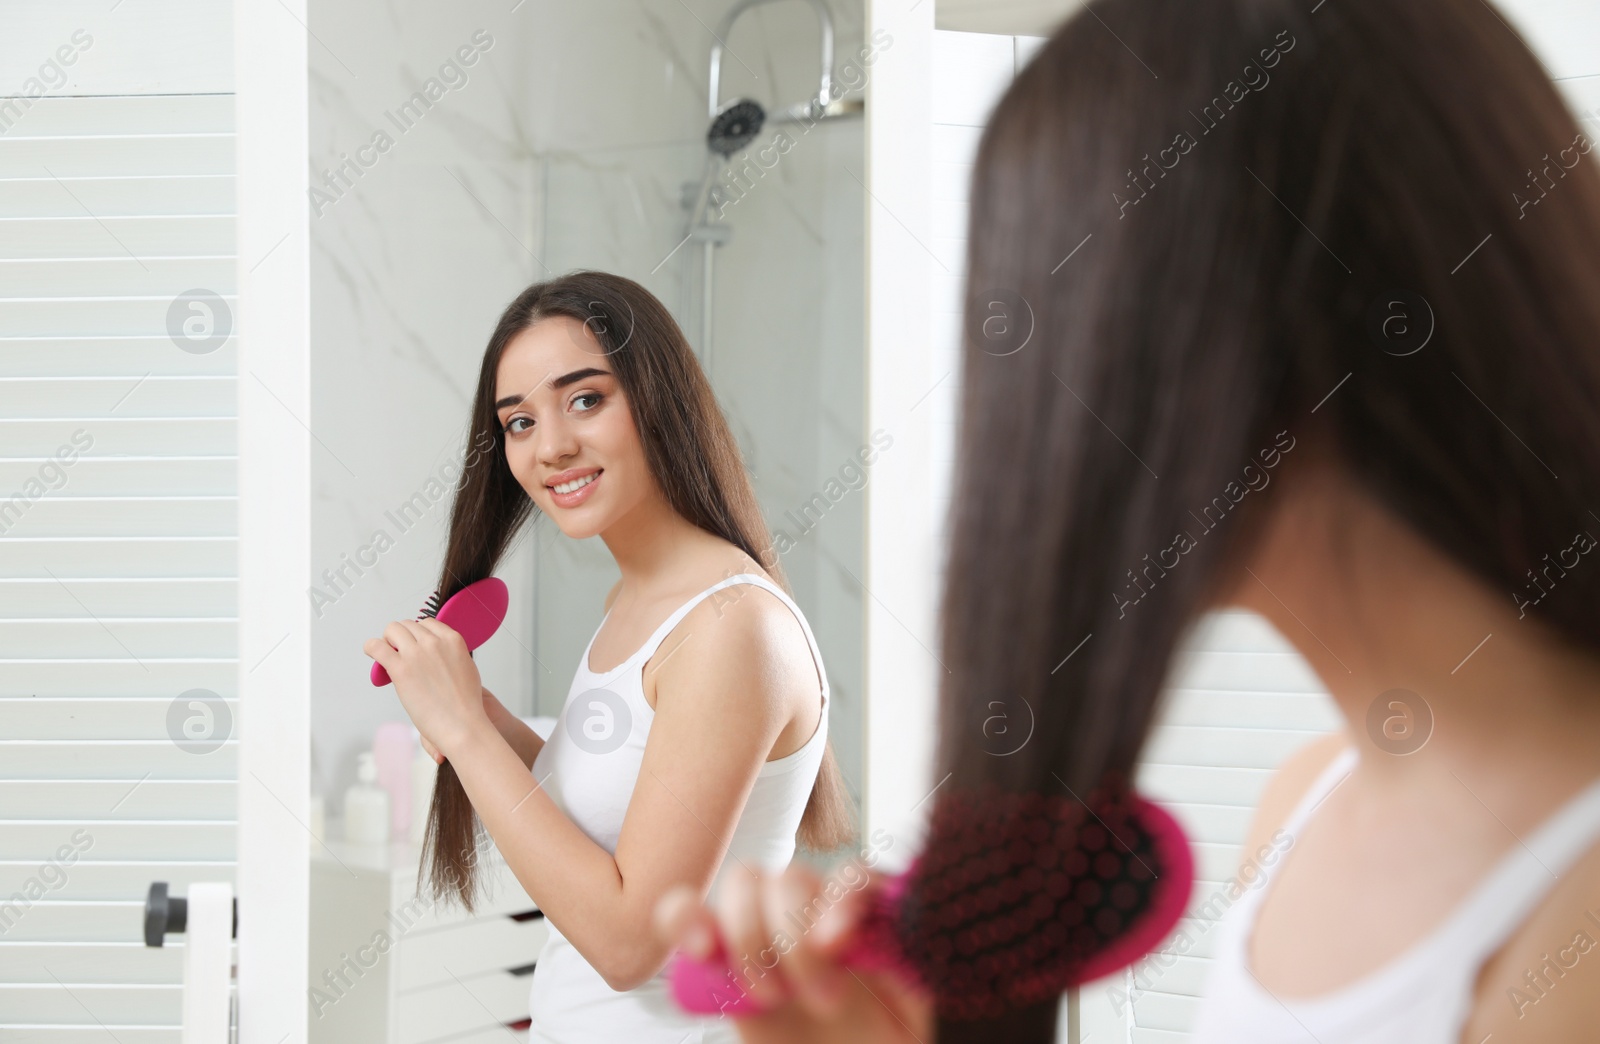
(460, 154)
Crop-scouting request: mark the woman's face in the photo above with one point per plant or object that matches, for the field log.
(566, 420)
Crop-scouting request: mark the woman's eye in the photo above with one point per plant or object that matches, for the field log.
(596, 396)
(509, 430)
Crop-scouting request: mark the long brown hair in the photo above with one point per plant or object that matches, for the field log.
(1258, 198)
(697, 464)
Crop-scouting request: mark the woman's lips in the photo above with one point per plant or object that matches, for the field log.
(579, 495)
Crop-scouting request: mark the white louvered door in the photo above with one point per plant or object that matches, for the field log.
(118, 519)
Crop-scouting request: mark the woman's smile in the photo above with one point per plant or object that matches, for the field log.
(574, 492)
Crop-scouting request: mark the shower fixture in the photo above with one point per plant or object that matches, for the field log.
(811, 107)
(735, 124)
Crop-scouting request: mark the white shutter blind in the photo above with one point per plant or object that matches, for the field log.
(117, 570)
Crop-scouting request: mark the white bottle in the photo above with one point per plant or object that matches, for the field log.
(424, 770)
(366, 805)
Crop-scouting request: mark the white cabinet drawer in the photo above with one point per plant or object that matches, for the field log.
(453, 1008)
(468, 949)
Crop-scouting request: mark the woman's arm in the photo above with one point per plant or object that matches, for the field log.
(720, 707)
(513, 729)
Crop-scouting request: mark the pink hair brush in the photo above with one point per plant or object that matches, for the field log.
(1016, 898)
(474, 612)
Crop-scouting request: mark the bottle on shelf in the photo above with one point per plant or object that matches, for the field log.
(366, 805)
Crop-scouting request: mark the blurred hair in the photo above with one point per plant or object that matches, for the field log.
(1382, 145)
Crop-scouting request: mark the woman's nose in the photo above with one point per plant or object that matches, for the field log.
(555, 442)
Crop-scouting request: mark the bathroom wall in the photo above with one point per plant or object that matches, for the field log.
(423, 223)
(565, 144)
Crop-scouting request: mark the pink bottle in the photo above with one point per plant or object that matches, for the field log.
(392, 747)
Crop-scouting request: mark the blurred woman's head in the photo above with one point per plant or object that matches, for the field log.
(1333, 263)
(1247, 239)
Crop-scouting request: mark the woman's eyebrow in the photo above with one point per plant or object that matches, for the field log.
(559, 382)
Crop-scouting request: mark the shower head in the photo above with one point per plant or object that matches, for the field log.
(735, 125)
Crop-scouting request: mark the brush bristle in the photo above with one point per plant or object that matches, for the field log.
(431, 606)
(1016, 896)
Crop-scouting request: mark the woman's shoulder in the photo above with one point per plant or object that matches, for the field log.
(745, 629)
(1539, 987)
(750, 606)
(749, 619)
(1290, 783)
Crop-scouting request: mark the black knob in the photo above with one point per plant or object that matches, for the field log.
(163, 914)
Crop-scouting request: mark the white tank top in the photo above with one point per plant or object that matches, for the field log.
(1425, 994)
(589, 765)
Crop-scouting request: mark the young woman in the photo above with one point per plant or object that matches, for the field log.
(694, 737)
(1349, 248)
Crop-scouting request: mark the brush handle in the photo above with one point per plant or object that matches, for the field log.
(379, 676)
(710, 987)
(475, 612)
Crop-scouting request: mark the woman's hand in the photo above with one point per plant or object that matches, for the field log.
(435, 678)
(813, 996)
(492, 707)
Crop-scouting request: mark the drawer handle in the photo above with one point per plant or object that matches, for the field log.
(526, 969)
(528, 915)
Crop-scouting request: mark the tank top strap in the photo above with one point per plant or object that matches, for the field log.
(1331, 776)
(1326, 781)
(1233, 948)
(648, 649)
(1520, 880)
